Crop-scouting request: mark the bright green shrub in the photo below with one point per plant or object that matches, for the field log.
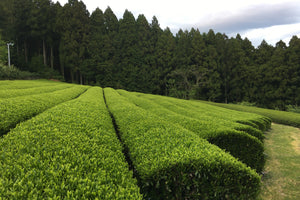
(262, 122)
(173, 162)
(9, 93)
(196, 108)
(70, 151)
(12, 73)
(15, 110)
(23, 84)
(281, 117)
(241, 145)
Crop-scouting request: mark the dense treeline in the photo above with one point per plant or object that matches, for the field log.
(136, 55)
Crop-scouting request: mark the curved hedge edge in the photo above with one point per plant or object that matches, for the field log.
(167, 157)
(281, 117)
(248, 149)
(186, 181)
(244, 146)
(183, 105)
(251, 131)
(263, 122)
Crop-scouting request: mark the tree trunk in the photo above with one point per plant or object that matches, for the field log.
(80, 78)
(18, 49)
(225, 91)
(52, 57)
(44, 53)
(72, 75)
(62, 70)
(25, 52)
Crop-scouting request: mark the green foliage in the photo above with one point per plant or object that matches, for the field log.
(246, 103)
(25, 84)
(291, 108)
(13, 73)
(5, 92)
(53, 156)
(18, 109)
(36, 64)
(3, 51)
(242, 141)
(174, 163)
(73, 25)
(48, 73)
(281, 117)
(136, 55)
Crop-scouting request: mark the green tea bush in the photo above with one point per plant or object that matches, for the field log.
(175, 163)
(281, 117)
(10, 93)
(18, 109)
(70, 151)
(240, 144)
(198, 108)
(26, 84)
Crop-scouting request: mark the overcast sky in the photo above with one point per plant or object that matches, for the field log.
(272, 20)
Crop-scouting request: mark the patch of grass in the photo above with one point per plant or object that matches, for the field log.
(282, 170)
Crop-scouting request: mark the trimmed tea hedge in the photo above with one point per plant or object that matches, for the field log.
(23, 84)
(15, 110)
(10, 93)
(281, 117)
(241, 145)
(173, 162)
(200, 110)
(68, 152)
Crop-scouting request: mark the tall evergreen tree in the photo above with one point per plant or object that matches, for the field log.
(144, 55)
(293, 62)
(21, 29)
(111, 24)
(39, 25)
(164, 60)
(127, 52)
(74, 28)
(97, 70)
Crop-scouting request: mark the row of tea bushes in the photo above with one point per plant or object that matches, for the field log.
(18, 109)
(241, 145)
(261, 122)
(10, 93)
(175, 163)
(70, 151)
(23, 84)
(281, 117)
(257, 123)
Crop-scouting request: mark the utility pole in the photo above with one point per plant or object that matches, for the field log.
(8, 53)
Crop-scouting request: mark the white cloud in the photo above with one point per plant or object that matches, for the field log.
(272, 34)
(255, 19)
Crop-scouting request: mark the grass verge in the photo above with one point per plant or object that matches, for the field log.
(282, 170)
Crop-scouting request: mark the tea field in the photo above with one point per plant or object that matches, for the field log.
(67, 141)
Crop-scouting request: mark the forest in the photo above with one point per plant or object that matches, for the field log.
(136, 55)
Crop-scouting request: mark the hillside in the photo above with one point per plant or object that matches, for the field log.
(70, 141)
